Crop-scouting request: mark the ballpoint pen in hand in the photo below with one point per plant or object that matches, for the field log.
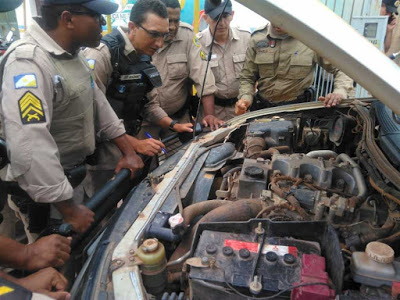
(150, 137)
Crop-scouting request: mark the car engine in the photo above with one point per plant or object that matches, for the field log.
(293, 205)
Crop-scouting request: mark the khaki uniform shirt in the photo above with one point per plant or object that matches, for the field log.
(226, 61)
(226, 64)
(33, 152)
(284, 68)
(178, 61)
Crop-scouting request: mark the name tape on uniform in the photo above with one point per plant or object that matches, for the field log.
(25, 81)
(31, 109)
(131, 77)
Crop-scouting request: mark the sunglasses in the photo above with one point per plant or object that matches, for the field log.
(98, 18)
(155, 34)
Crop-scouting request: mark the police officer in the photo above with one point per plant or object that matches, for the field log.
(124, 73)
(284, 69)
(51, 108)
(228, 55)
(180, 62)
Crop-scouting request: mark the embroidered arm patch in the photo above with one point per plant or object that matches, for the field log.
(25, 81)
(91, 62)
(31, 109)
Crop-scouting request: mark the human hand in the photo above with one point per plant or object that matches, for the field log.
(79, 216)
(392, 23)
(185, 127)
(149, 147)
(241, 106)
(48, 251)
(130, 161)
(47, 281)
(331, 99)
(212, 121)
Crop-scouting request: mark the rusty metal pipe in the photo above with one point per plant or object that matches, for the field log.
(361, 186)
(273, 150)
(290, 198)
(202, 208)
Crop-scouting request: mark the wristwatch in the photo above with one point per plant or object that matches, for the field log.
(171, 126)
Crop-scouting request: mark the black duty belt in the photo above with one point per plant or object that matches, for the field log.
(259, 102)
(225, 102)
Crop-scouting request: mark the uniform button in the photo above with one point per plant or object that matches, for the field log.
(244, 253)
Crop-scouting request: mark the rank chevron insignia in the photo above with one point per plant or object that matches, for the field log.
(31, 109)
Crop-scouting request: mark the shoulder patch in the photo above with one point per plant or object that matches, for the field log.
(196, 41)
(31, 109)
(25, 51)
(25, 81)
(260, 29)
(91, 62)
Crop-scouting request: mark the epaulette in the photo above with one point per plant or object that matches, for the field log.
(260, 29)
(186, 25)
(101, 46)
(199, 35)
(243, 29)
(25, 51)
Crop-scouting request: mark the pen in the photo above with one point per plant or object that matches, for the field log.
(150, 137)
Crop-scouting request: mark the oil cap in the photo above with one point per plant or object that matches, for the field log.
(254, 172)
(380, 252)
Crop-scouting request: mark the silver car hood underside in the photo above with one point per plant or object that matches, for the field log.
(320, 29)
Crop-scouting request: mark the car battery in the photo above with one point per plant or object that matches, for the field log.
(280, 263)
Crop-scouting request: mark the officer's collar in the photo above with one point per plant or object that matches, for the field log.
(128, 44)
(178, 37)
(231, 36)
(45, 41)
(272, 35)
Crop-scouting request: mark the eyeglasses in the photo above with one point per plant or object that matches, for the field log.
(98, 18)
(224, 16)
(155, 34)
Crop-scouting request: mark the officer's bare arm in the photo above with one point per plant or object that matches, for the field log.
(46, 281)
(209, 119)
(130, 160)
(79, 216)
(185, 127)
(49, 251)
